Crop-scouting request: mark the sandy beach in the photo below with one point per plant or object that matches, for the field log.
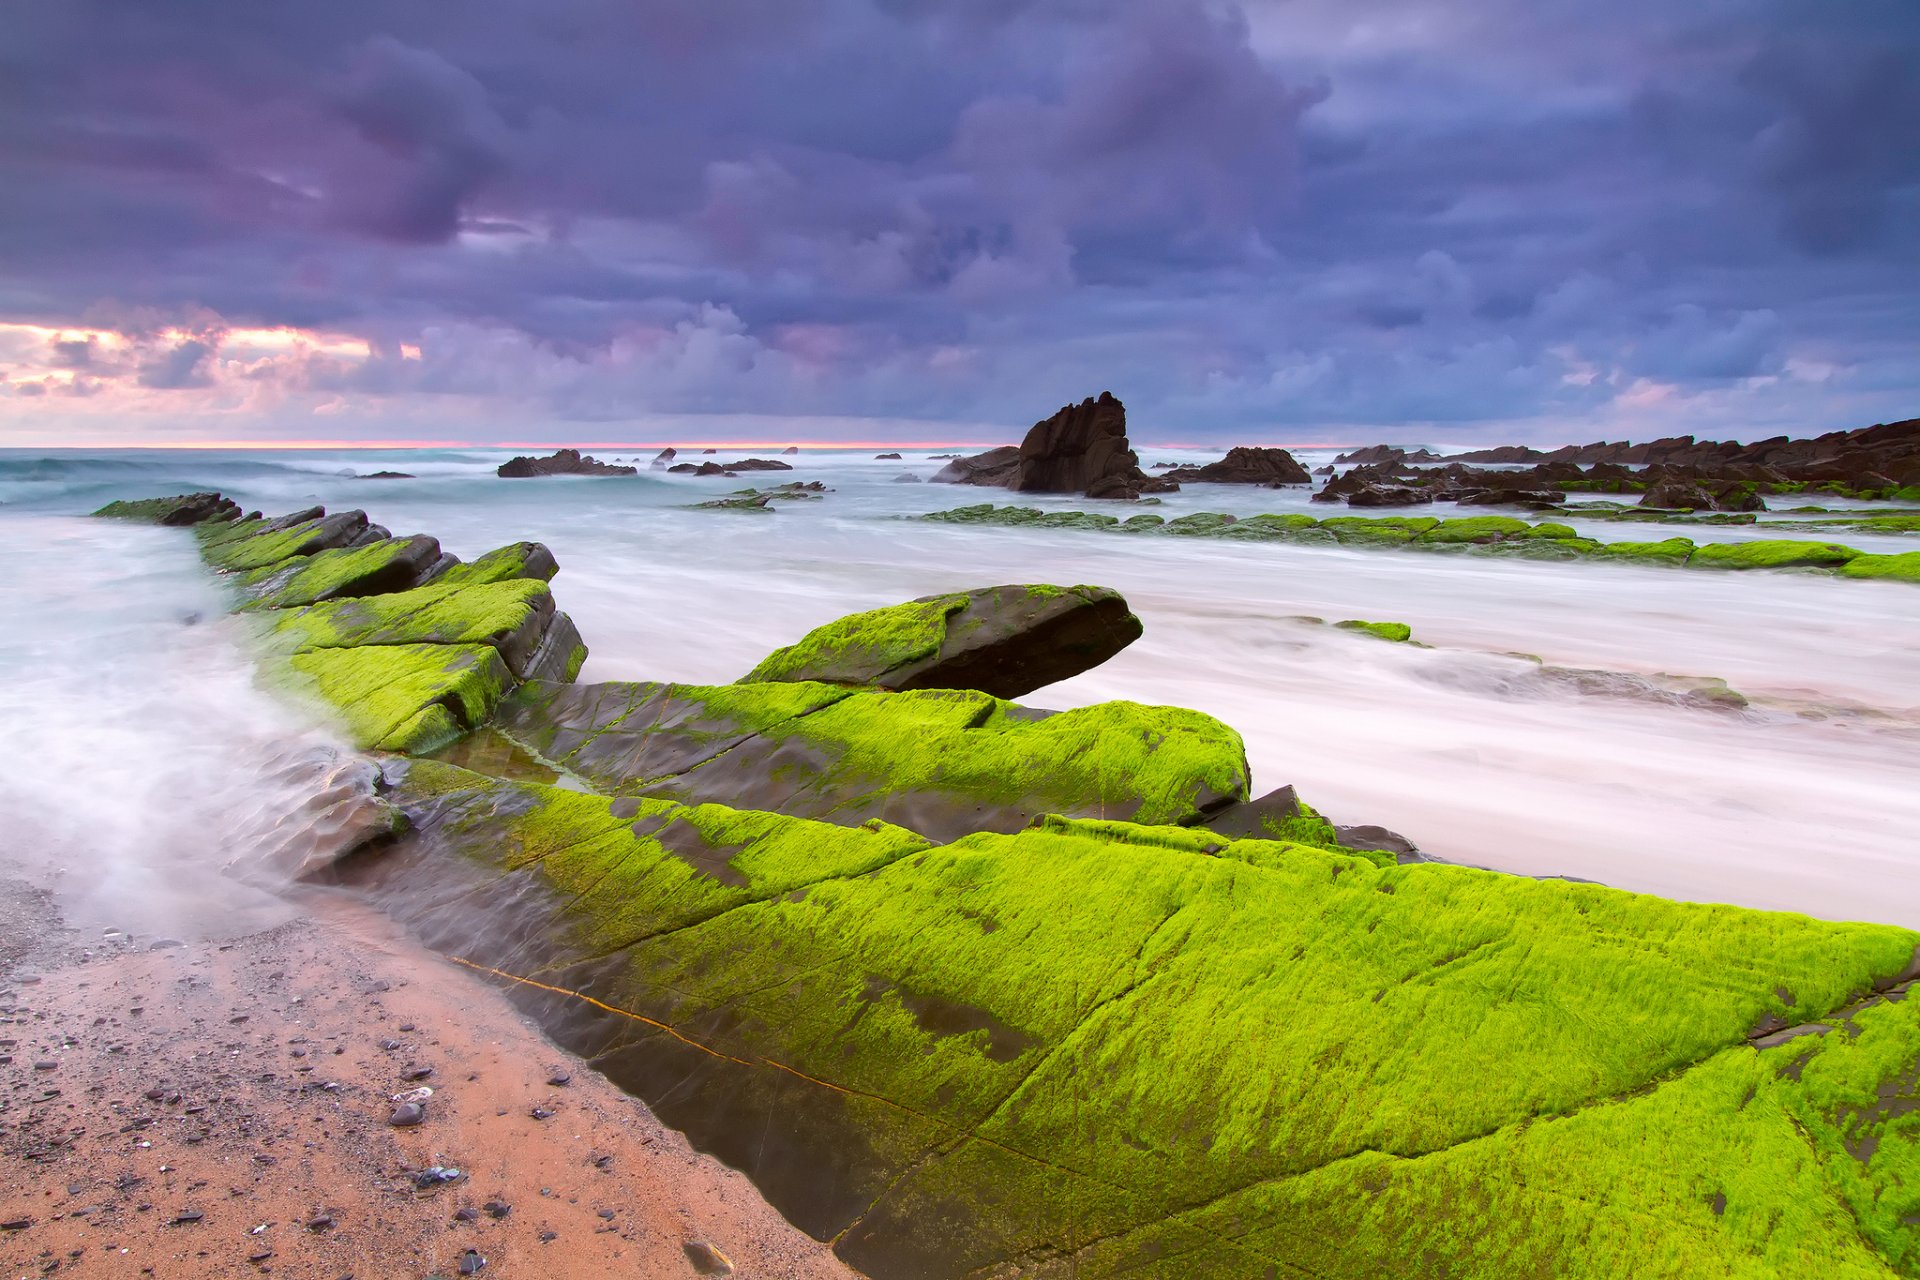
(221, 1107)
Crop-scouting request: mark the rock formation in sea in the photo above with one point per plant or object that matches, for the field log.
(973, 988)
(1274, 468)
(1080, 449)
(564, 462)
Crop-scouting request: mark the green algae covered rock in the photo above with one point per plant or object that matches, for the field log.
(1904, 567)
(1378, 530)
(1398, 632)
(1097, 1049)
(503, 564)
(386, 565)
(511, 615)
(1465, 529)
(407, 697)
(1666, 551)
(182, 509)
(238, 545)
(1770, 553)
(1006, 641)
(939, 762)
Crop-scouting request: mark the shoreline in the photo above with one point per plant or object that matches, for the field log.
(219, 1108)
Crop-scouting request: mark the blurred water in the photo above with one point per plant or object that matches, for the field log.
(1810, 801)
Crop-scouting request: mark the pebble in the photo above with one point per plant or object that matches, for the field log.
(466, 1215)
(497, 1208)
(46, 1064)
(186, 1217)
(389, 1045)
(320, 1222)
(541, 1113)
(16, 1224)
(560, 1079)
(471, 1262)
(412, 1074)
(406, 1115)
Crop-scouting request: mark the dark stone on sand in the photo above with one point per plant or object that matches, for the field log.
(407, 1115)
(560, 1079)
(706, 1259)
(564, 462)
(1387, 495)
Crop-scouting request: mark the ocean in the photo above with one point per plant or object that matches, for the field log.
(128, 705)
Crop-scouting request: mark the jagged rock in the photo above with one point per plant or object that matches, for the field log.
(564, 462)
(664, 457)
(1679, 496)
(749, 501)
(1271, 467)
(886, 457)
(518, 560)
(790, 450)
(759, 464)
(1006, 641)
(387, 475)
(1510, 498)
(1080, 449)
(703, 469)
(1386, 495)
(367, 569)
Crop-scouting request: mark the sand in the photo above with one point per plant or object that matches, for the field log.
(219, 1107)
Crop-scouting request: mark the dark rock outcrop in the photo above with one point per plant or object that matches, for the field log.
(1274, 468)
(1006, 641)
(187, 508)
(1081, 449)
(886, 457)
(663, 459)
(759, 464)
(564, 462)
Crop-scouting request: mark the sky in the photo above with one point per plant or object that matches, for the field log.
(1277, 221)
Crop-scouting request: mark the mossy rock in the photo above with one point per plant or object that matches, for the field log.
(389, 565)
(1378, 530)
(1006, 641)
(1466, 529)
(181, 509)
(1097, 1049)
(511, 615)
(1397, 632)
(1200, 524)
(409, 698)
(504, 564)
(1904, 567)
(1667, 551)
(1770, 553)
(939, 762)
(240, 545)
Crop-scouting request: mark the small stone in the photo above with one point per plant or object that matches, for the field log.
(389, 1045)
(471, 1262)
(320, 1222)
(412, 1074)
(541, 1113)
(706, 1259)
(466, 1215)
(407, 1115)
(607, 1214)
(560, 1079)
(16, 1224)
(497, 1209)
(186, 1217)
(46, 1064)
(259, 1256)
(406, 1026)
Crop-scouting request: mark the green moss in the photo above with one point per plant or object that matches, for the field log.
(236, 547)
(391, 564)
(1668, 551)
(1142, 523)
(1378, 530)
(1199, 524)
(519, 560)
(1904, 567)
(179, 509)
(1398, 632)
(1464, 529)
(1546, 529)
(1770, 553)
(484, 613)
(850, 650)
(1104, 1050)
(410, 697)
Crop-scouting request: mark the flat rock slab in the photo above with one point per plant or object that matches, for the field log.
(940, 762)
(1085, 1046)
(1006, 641)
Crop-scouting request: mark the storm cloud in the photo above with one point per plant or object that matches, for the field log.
(1294, 220)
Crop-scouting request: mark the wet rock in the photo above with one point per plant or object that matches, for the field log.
(1006, 641)
(706, 1258)
(186, 509)
(564, 462)
(759, 464)
(1080, 449)
(886, 457)
(1272, 467)
(664, 458)
(995, 468)
(906, 477)
(324, 804)
(386, 475)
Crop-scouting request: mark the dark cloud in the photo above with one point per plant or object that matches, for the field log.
(1295, 215)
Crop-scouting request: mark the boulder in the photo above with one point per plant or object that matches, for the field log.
(703, 469)
(664, 458)
(1679, 495)
(564, 462)
(790, 451)
(387, 475)
(1081, 449)
(317, 806)
(996, 467)
(1387, 495)
(886, 457)
(1271, 467)
(759, 464)
(1006, 641)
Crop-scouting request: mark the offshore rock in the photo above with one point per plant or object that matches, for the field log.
(1081, 449)
(185, 509)
(1005, 641)
(1271, 467)
(564, 462)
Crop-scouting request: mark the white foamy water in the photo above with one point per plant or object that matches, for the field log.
(1809, 801)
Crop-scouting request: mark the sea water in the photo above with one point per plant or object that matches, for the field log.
(122, 716)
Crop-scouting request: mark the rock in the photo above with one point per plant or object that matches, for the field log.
(530, 560)
(1005, 641)
(707, 1259)
(1510, 498)
(886, 457)
(1273, 467)
(703, 469)
(564, 462)
(749, 501)
(1678, 496)
(662, 458)
(759, 464)
(560, 1079)
(322, 805)
(1368, 836)
(377, 568)
(790, 450)
(471, 1262)
(1387, 495)
(1080, 449)
(387, 475)
(996, 468)
(1323, 471)
(186, 509)
(906, 477)
(407, 1115)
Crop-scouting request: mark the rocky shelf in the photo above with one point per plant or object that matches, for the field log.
(1505, 536)
(973, 989)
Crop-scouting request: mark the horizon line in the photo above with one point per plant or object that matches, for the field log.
(681, 446)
